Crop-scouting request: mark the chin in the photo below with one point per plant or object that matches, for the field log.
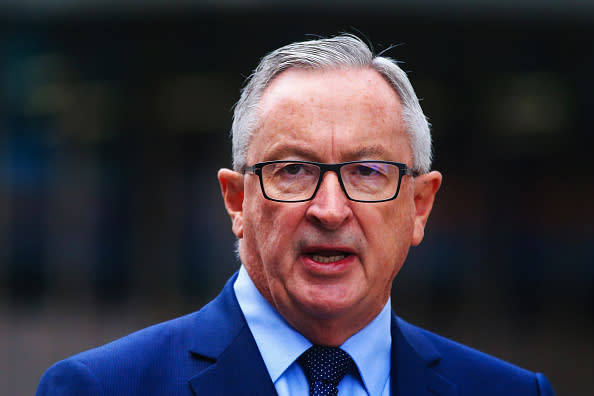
(329, 302)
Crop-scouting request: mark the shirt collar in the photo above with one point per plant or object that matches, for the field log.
(371, 350)
(280, 345)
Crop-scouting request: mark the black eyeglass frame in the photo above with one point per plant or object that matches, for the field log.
(257, 170)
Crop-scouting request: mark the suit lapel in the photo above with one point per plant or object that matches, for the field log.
(233, 365)
(413, 364)
(230, 363)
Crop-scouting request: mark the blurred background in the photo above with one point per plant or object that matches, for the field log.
(114, 118)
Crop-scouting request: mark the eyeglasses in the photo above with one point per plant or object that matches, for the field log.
(361, 181)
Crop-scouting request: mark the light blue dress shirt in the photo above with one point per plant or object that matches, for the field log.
(280, 345)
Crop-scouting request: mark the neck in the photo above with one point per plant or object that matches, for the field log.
(332, 331)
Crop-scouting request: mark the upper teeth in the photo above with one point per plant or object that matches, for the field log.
(327, 259)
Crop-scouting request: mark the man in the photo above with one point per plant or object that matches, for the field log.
(330, 188)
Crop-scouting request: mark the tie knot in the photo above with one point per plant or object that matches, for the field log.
(325, 366)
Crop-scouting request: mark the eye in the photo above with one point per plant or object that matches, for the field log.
(368, 170)
(292, 169)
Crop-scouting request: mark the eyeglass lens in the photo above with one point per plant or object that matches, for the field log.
(364, 181)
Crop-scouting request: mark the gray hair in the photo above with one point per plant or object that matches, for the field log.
(344, 51)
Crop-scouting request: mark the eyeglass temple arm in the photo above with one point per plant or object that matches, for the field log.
(412, 172)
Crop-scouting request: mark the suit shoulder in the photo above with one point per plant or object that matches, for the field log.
(157, 360)
(171, 334)
(472, 369)
(69, 377)
(127, 364)
(454, 349)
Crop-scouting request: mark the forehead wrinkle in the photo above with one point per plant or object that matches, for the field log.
(332, 141)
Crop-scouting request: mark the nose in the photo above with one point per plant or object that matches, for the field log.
(330, 208)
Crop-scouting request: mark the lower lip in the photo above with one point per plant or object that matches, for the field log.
(332, 268)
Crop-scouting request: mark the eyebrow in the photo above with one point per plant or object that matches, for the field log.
(369, 152)
(291, 151)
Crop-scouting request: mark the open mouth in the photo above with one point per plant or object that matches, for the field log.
(327, 257)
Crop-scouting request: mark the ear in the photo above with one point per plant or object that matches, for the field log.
(231, 183)
(426, 187)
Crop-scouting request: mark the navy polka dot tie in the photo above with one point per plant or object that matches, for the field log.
(324, 368)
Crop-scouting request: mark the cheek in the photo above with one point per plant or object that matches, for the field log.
(270, 227)
(390, 234)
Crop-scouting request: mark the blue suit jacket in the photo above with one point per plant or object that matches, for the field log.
(212, 352)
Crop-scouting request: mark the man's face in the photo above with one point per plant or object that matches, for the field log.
(327, 264)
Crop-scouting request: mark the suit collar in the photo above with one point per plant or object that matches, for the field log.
(217, 324)
(414, 364)
(223, 338)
